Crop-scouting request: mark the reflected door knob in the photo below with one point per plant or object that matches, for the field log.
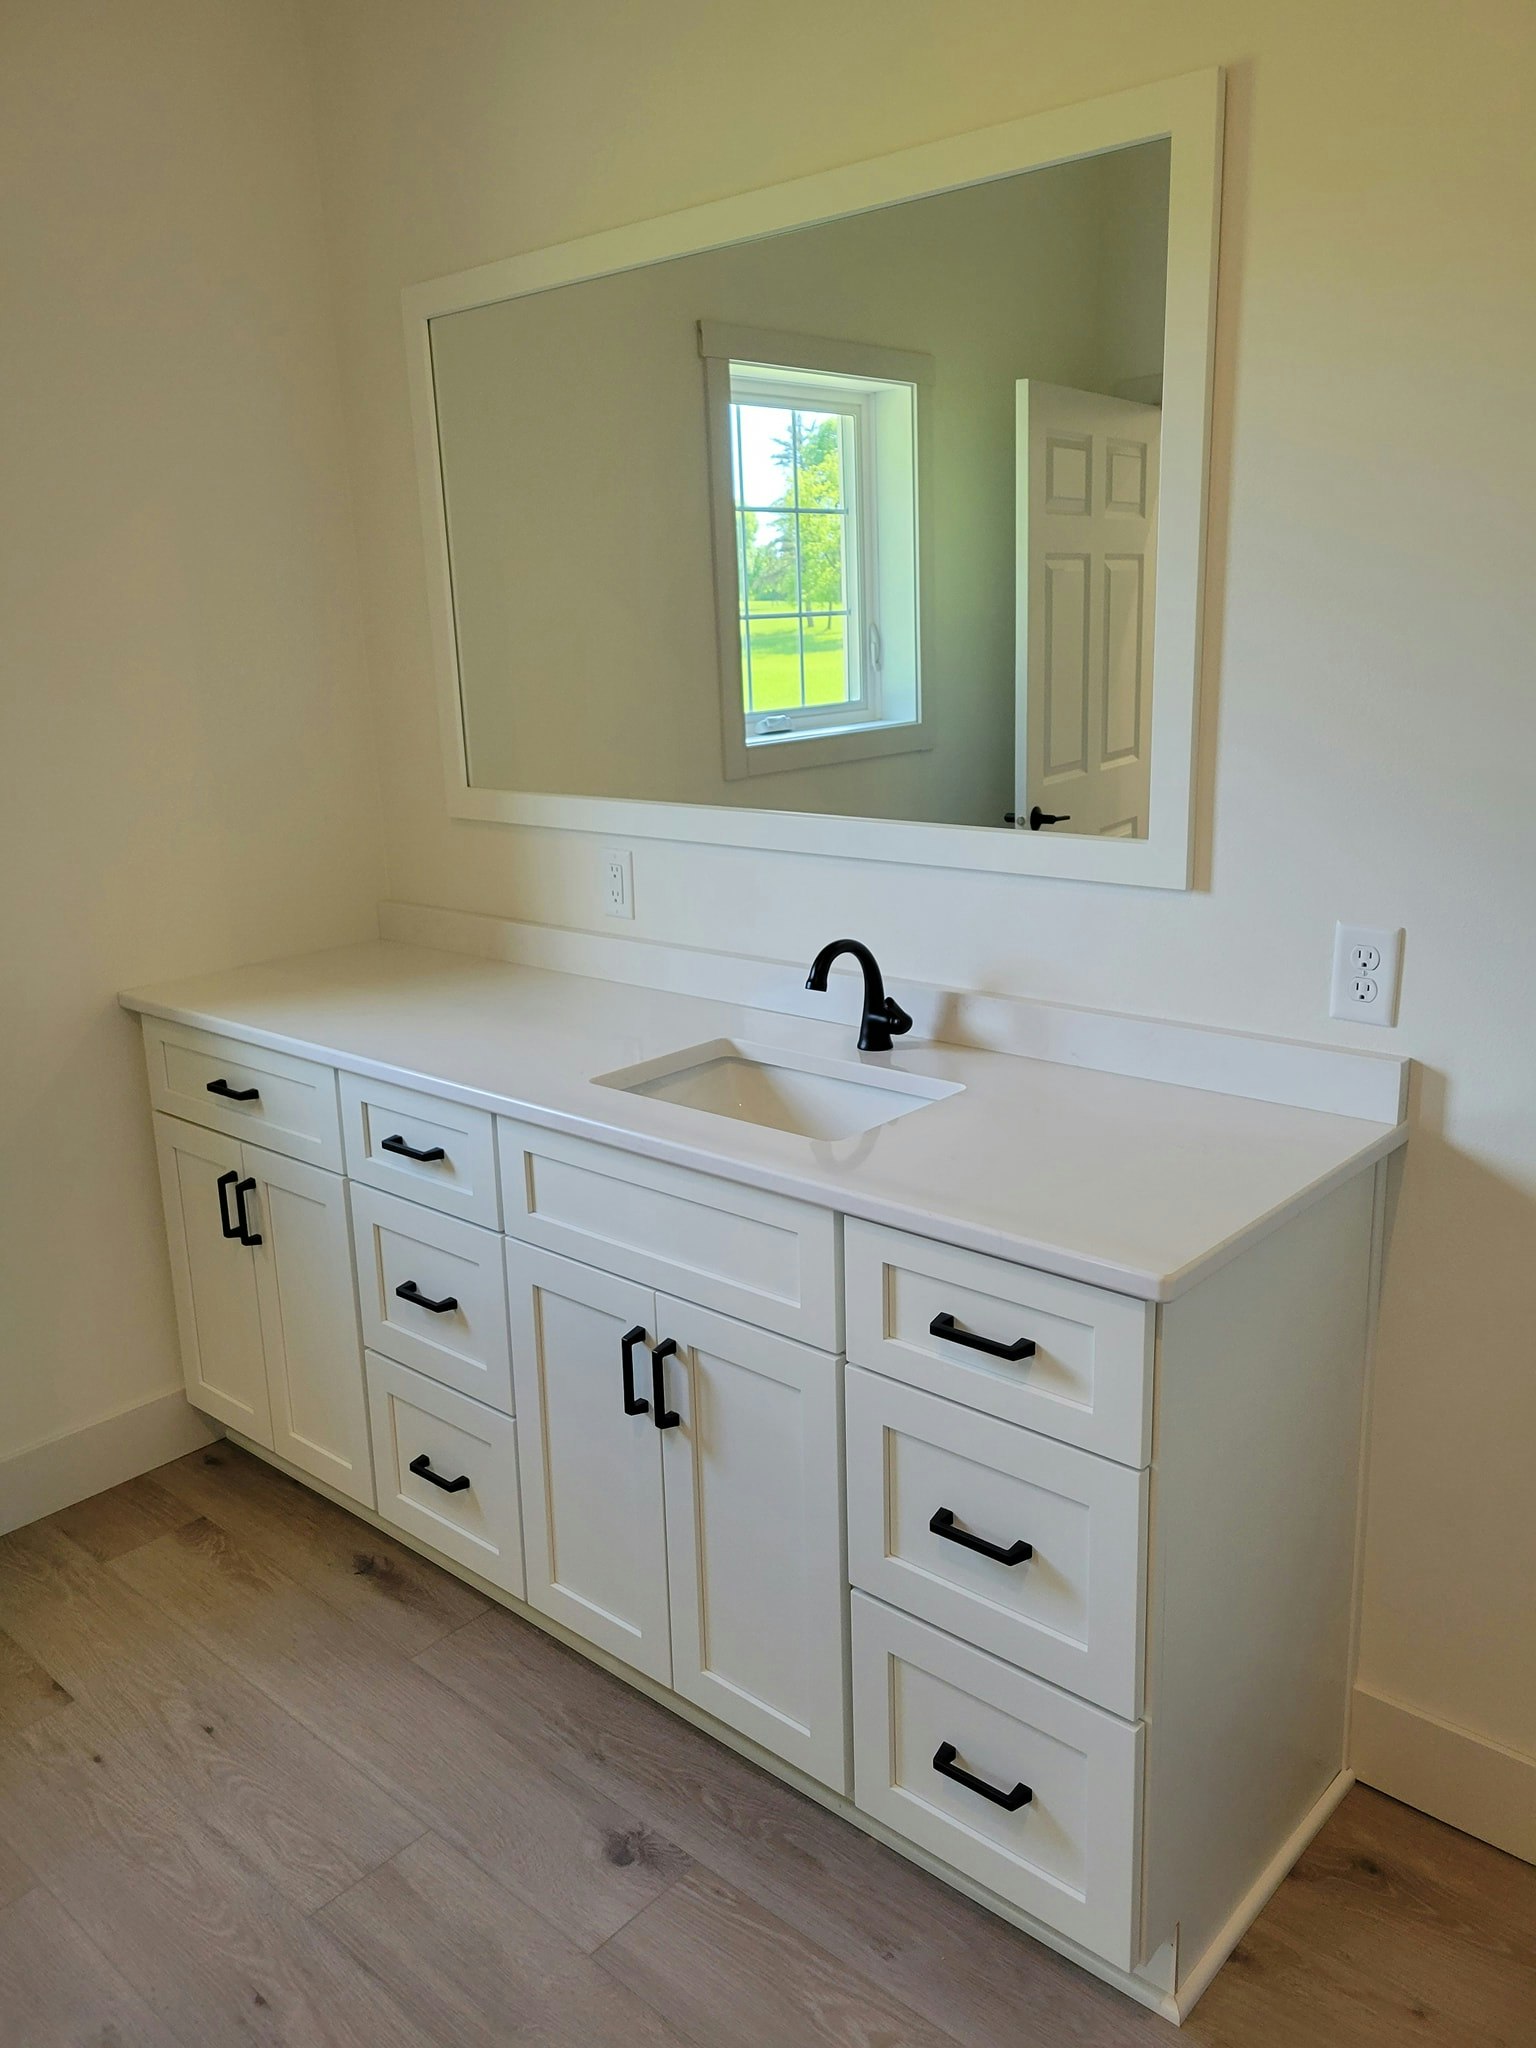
(1037, 818)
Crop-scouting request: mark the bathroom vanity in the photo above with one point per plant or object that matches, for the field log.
(970, 1436)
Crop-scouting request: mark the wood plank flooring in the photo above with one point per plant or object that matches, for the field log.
(267, 1777)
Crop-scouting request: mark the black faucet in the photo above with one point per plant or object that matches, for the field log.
(882, 1014)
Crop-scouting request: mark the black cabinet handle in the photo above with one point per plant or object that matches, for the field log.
(663, 1416)
(945, 1326)
(1037, 817)
(942, 1523)
(222, 1087)
(245, 1233)
(422, 1467)
(409, 1291)
(944, 1763)
(224, 1183)
(398, 1144)
(633, 1404)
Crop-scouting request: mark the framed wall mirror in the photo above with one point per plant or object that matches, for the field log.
(859, 515)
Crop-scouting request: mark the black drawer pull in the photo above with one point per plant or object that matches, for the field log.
(398, 1144)
(222, 1087)
(422, 1467)
(247, 1235)
(663, 1416)
(942, 1523)
(633, 1404)
(944, 1326)
(224, 1182)
(409, 1291)
(944, 1763)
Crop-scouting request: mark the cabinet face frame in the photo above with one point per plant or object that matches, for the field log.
(1188, 111)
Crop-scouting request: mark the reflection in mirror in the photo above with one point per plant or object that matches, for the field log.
(857, 519)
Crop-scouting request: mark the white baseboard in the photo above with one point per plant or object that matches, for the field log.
(1461, 1778)
(55, 1474)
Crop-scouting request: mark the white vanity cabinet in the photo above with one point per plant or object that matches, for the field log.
(261, 1265)
(1046, 1582)
(682, 1500)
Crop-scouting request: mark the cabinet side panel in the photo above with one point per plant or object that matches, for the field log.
(1255, 1467)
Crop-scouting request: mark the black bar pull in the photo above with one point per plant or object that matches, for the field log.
(398, 1144)
(633, 1404)
(942, 1523)
(945, 1326)
(422, 1467)
(663, 1416)
(222, 1087)
(225, 1182)
(247, 1235)
(409, 1291)
(944, 1763)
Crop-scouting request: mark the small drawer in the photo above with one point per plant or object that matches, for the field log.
(1058, 1835)
(451, 1319)
(761, 1257)
(447, 1471)
(287, 1105)
(1064, 1597)
(421, 1147)
(1083, 1373)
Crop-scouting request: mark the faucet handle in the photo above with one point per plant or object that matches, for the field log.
(896, 1016)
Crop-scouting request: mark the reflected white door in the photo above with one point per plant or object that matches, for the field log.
(1086, 571)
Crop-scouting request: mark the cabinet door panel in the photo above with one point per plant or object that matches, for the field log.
(753, 1476)
(593, 1528)
(214, 1280)
(309, 1321)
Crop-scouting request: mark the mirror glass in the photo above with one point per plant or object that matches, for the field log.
(857, 519)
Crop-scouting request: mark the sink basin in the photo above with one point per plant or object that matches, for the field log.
(782, 1091)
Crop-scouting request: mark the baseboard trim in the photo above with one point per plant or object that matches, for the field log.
(63, 1469)
(1461, 1778)
(1194, 1982)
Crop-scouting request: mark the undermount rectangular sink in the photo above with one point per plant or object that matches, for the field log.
(781, 1091)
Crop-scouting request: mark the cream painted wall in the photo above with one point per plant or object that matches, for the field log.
(185, 763)
(1371, 718)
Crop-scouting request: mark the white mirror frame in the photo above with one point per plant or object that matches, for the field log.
(1188, 112)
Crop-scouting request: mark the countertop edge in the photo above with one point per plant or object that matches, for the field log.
(1136, 1282)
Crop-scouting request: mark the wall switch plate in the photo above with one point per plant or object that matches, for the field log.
(1366, 963)
(618, 872)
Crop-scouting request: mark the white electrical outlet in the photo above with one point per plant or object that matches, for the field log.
(1366, 960)
(618, 869)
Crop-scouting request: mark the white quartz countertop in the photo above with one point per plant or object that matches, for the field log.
(1136, 1185)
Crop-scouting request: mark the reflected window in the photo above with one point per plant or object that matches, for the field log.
(824, 480)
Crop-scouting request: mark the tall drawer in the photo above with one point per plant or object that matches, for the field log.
(1058, 1587)
(451, 1319)
(1083, 1369)
(1059, 1838)
(758, 1256)
(419, 1146)
(447, 1471)
(272, 1099)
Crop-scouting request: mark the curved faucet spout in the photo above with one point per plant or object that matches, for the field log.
(882, 1014)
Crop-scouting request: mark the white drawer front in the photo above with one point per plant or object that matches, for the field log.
(415, 1145)
(401, 1245)
(1071, 1609)
(1069, 1855)
(1087, 1381)
(762, 1257)
(272, 1099)
(449, 1439)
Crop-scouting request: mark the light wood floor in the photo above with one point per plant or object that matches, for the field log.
(267, 1777)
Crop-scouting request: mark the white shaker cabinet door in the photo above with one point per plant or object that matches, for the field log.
(212, 1273)
(753, 1471)
(309, 1328)
(594, 1535)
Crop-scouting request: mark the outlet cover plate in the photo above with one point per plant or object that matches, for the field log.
(1367, 959)
(617, 875)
